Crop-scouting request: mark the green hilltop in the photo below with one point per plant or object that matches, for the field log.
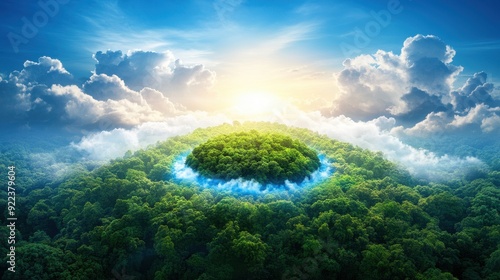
(268, 158)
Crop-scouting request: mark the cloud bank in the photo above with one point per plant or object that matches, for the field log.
(415, 88)
(124, 91)
(135, 99)
(160, 71)
(374, 135)
(377, 135)
(106, 145)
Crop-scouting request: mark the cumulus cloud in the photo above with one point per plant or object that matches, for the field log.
(138, 69)
(382, 84)
(433, 122)
(13, 99)
(369, 86)
(476, 90)
(71, 107)
(24, 93)
(417, 105)
(46, 71)
(491, 123)
(44, 93)
(480, 114)
(83, 109)
(416, 89)
(159, 71)
(472, 109)
(157, 101)
(413, 87)
(428, 64)
(107, 145)
(103, 87)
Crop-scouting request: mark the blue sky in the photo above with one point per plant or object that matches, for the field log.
(207, 31)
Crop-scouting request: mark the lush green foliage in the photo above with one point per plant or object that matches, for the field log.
(264, 157)
(370, 220)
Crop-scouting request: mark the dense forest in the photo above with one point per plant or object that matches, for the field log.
(266, 158)
(130, 219)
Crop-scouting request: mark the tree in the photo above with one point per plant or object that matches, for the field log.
(448, 208)
(39, 261)
(265, 158)
(386, 263)
(250, 249)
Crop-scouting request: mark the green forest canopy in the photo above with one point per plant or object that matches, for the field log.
(369, 220)
(268, 158)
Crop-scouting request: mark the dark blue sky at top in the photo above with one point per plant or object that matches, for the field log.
(80, 28)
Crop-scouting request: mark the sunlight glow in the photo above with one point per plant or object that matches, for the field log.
(254, 103)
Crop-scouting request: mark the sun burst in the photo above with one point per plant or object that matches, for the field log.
(254, 103)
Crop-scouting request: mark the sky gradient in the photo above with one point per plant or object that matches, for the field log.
(218, 33)
(383, 72)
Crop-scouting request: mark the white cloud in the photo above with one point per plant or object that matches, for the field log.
(143, 86)
(476, 90)
(104, 87)
(433, 122)
(421, 47)
(416, 89)
(478, 115)
(491, 123)
(46, 71)
(83, 109)
(159, 71)
(43, 92)
(78, 106)
(157, 101)
(370, 85)
(107, 145)
(374, 135)
(373, 85)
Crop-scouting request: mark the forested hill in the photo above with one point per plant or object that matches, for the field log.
(263, 157)
(369, 220)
